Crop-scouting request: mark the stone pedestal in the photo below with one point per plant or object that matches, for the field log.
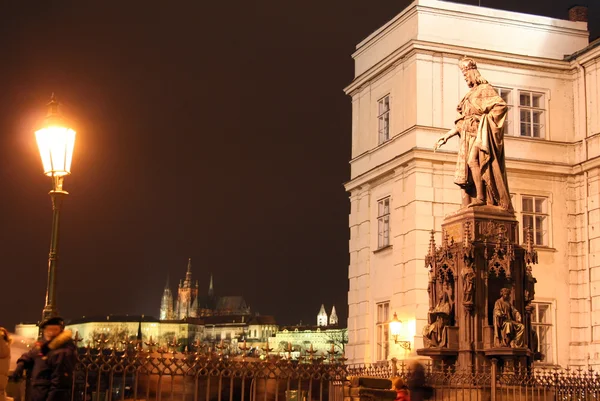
(441, 357)
(479, 256)
(510, 359)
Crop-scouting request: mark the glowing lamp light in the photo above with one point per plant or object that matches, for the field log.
(396, 331)
(56, 145)
(395, 326)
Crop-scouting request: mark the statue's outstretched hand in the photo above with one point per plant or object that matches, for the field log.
(439, 143)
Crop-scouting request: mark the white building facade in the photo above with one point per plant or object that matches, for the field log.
(404, 96)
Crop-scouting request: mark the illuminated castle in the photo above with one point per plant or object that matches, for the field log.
(190, 304)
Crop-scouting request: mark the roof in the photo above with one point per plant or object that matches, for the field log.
(113, 319)
(225, 319)
(189, 320)
(231, 303)
(592, 45)
(263, 320)
(311, 328)
(206, 302)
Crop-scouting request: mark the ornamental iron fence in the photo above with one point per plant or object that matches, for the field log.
(110, 374)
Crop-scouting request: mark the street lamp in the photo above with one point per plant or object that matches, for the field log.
(55, 141)
(396, 330)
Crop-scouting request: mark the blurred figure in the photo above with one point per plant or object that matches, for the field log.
(401, 391)
(5, 341)
(50, 363)
(417, 384)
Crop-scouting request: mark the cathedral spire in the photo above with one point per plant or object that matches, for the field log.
(333, 319)
(322, 317)
(211, 290)
(166, 304)
(188, 274)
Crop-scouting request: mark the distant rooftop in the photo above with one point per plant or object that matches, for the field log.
(113, 319)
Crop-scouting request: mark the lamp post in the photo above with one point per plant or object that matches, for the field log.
(55, 141)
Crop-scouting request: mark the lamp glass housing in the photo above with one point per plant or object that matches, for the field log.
(56, 145)
(395, 326)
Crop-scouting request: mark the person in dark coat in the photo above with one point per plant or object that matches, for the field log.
(50, 363)
(417, 383)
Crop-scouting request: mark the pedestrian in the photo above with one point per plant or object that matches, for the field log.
(417, 383)
(5, 341)
(50, 363)
(399, 386)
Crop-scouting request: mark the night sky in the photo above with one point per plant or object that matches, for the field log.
(212, 130)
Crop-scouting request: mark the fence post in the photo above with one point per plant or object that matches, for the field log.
(493, 375)
(394, 367)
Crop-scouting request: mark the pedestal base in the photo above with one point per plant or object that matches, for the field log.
(510, 359)
(485, 222)
(441, 357)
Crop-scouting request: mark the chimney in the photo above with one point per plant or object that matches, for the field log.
(578, 14)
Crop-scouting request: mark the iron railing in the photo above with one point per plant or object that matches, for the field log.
(492, 383)
(103, 374)
(112, 375)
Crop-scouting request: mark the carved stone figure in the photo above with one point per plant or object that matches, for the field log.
(508, 327)
(435, 333)
(430, 288)
(529, 286)
(480, 125)
(468, 277)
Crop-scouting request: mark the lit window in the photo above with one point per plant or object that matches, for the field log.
(541, 322)
(383, 117)
(535, 216)
(531, 114)
(383, 334)
(383, 223)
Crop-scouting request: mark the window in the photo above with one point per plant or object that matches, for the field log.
(541, 322)
(383, 331)
(383, 117)
(531, 114)
(383, 223)
(535, 216)
(507, 96)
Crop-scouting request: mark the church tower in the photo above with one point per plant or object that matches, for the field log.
(166, 304)
(322, 317)
(333, 319)
(187, 295)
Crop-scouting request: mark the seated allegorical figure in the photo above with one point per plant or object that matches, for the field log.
(435, 333)
(508, 328)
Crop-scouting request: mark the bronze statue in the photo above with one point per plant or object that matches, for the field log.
(435, 333)
(508, 328)
(468, 276)
(480, 125)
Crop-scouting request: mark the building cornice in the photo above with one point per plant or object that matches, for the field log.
(463, 11)
(508, 18)
(483, 56)
(514, 165)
